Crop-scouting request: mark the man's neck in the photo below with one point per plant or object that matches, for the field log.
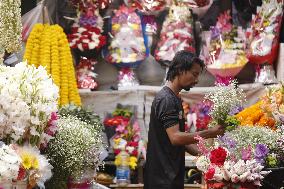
(174, 87)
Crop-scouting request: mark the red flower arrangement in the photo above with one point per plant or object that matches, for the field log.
(86, 37)
(218, 156)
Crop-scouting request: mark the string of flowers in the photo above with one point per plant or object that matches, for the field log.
(48, 46)
(10, 26)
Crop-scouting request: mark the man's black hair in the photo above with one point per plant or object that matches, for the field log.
(182, 62)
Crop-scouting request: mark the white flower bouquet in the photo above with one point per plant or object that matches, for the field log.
(28, 97)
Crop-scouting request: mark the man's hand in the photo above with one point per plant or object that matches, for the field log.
(217, 130)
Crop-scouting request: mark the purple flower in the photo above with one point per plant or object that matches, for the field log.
(228, 141)
(235, 110)
(246, 153)
(260, 152)
(215, 32)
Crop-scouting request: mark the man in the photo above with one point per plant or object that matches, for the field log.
(167, 140)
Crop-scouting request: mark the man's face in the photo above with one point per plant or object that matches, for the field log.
(190, 78)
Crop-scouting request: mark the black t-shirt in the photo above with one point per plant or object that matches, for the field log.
(164, 163)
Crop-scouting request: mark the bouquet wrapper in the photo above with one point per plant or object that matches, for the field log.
(224, 75)
(145, 7)
(85, 74)
(39, 14)
(264, 33)
(127, 78)
(201, 11)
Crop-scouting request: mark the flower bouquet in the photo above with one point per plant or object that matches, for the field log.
(86, 33)
(263, 43)
(272, 102)
(176, 34)
(75, 152)
(23, 165)
(86, 77)
(239, 157)
(224, 49)
(226, 101)
(127, 138)
(28, 99)
(127, 48)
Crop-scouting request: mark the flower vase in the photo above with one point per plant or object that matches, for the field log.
(20, 185)
(79, 184)
(6, 185)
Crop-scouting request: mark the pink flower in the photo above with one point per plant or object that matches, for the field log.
(246, 153)
(224, 22)
(120, 128)
(201, 145)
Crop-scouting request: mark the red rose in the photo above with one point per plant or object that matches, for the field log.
(209, 174)
(218, 156)
(116, 151)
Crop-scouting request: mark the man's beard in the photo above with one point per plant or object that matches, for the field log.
(187, 88)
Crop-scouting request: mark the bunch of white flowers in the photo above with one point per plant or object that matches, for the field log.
(28, 97)
(9, 163)
(244, 171)
(224, 99)
(10, 26)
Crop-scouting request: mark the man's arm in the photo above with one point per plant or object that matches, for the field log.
(181, 138)
(192, 149)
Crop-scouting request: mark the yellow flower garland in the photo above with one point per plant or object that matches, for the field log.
(48, 46)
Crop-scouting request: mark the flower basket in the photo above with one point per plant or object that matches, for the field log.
(79, 185)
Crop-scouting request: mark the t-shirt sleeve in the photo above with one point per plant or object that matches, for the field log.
(167, 112)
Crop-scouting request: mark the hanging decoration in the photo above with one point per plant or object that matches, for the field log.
(87, 33)
(176, 34)
(10, 27)
(48, 46)
(263, 43)
(127, 48)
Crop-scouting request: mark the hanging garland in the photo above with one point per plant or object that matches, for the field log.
(10, 26)
(48, 46)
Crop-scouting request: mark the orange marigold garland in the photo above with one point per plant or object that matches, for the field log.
(254, 115)
(48, 46)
